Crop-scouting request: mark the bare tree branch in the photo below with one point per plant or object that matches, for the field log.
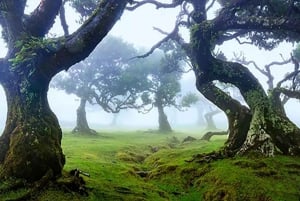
(210, 5)
(291, 76)
(243, 42)
(288, 77)
(159, 43)
(136, 4)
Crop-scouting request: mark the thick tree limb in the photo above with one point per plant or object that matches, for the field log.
(42, 18)
(267, 68)
(264, 24)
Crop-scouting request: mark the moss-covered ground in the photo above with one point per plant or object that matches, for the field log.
(137, 166)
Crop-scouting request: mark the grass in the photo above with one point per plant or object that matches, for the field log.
(116, 160)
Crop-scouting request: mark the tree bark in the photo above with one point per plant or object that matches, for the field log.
(30, 145)
(164, 125)
(269, 129)
(81, 123)
(238, 116)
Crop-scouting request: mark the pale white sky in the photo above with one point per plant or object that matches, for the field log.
(137, 28)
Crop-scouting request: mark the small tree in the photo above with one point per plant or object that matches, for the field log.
(105, 78)
(164, 74)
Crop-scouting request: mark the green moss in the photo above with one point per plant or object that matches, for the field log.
(112, 159)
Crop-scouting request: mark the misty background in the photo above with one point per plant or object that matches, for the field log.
(137, 28)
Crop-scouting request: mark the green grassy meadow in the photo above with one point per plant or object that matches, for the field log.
(142, 166)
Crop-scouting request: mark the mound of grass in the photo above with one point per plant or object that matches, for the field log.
(138, 166)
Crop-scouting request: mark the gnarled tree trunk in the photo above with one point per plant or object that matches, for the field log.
(163, 122)
(30, 145)
(81, 123)
(269, 129)
(238, 116)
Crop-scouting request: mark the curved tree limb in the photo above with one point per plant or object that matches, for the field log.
(267, 68)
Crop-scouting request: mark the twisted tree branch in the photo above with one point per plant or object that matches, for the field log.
(136, 4)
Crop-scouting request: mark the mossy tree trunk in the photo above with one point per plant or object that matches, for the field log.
(30, 145)
(269, 129)
(82, 125)
(238, 116)
(164, 125)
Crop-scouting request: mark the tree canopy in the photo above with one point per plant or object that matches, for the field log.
(107, 78)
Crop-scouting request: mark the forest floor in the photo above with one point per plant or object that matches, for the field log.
(150, 166)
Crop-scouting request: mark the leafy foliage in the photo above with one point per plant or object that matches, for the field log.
(107, 78)
(189, 99)
(164, 73)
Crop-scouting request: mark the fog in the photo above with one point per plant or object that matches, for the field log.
(137, 28)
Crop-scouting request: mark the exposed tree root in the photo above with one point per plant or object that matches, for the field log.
(70, 183)
(212, 156)
(209, 135)
(34, 188)
(74, 182)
